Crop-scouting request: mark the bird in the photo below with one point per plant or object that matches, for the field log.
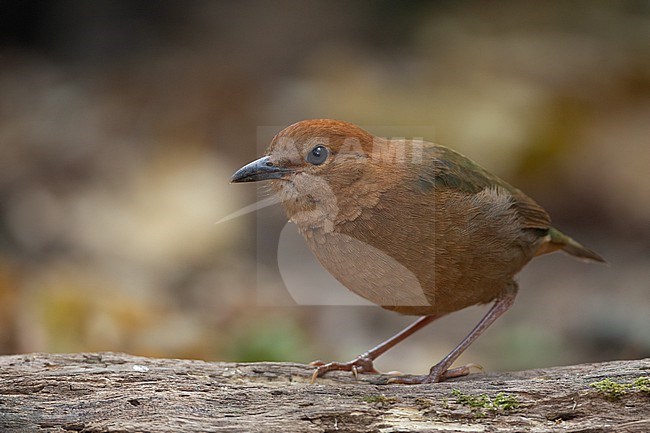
(412, 226)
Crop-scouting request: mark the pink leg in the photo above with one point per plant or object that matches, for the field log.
(363, 362)
(441, 371)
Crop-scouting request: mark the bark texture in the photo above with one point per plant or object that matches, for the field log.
(112, 392)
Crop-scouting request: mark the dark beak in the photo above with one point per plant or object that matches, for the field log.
(260, 169)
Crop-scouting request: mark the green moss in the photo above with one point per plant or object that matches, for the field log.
(482, 403)
(642, 384)
(505, 402)
(609, 389)
(473, 401)
(614, 390)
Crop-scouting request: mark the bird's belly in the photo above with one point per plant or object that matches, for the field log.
(411, 278)
(370, 272)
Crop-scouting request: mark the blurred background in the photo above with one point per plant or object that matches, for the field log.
(122, 121)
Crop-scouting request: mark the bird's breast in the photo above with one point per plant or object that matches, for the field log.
(369, 271)
(424, 254)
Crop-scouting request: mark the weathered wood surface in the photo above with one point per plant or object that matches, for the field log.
(110, 392)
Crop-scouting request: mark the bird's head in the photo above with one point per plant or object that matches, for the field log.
(314, 165)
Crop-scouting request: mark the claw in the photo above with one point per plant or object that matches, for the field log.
(476, 366)
(314, 376)
(359, 365)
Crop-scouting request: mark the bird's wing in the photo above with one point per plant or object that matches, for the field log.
(449, 169)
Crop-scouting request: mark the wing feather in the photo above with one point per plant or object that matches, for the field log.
(449, 169)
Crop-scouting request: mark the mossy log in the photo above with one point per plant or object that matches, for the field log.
(112, 392)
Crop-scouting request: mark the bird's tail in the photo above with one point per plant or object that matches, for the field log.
(556, 240)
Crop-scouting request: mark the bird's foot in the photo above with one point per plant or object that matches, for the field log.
(361, 364)
(438, 373)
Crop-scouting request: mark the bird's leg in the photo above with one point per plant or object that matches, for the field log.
(363, 362)
(441, 371)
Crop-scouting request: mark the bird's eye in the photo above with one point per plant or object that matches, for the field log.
(318, 155)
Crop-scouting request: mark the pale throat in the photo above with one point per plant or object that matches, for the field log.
(312, 204)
